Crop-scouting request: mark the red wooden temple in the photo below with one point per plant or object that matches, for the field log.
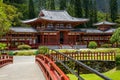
(55, 28)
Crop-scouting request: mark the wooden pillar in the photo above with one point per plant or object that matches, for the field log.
(42, 38)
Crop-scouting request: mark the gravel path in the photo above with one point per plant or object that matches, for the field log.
(23, 68)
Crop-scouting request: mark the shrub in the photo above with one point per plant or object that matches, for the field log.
(43, 50)
(24, 47)
(118, 60)
(24, 53)
(11, 53)
(92, 45)
(36, 52)
(106, 45)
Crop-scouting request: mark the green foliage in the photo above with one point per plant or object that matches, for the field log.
(78, 8)
(116, 36)
(11, 53)
(43, 50)
(31, 9)
(36, 52)
(24, 47)
(118, 60)
(3, 46)
(63, 4)
(113, 10)
(106, 45)
(50, 5)
(92, 45)
(24, 53)
(1, 0)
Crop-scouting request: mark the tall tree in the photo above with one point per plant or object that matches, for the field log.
(113, 10)
(14, 1)
(115, 37)
(21, 5)
(78, 8)
(31, 9)
(86, 8)
(70, 7)
(8, 15)
(63, 4)
(42, 4)
(95, 11)
(50, 4)
(91, 15)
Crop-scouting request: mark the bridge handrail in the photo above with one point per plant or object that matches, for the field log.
(83, 65)
(50, 69)
(5, 59)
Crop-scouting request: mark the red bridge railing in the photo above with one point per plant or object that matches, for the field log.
(5, 59)
(50, 69)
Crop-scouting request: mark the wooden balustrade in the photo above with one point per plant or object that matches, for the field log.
(5, 59)
(50, 69)
(98, 56)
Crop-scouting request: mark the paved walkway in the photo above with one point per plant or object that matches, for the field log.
(23, 68)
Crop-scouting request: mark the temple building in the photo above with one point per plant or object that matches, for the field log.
(55, 28)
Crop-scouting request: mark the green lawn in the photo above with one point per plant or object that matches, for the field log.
(112, 74)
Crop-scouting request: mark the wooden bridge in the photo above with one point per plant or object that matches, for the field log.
(25, 68)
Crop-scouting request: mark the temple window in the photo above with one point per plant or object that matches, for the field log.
(61, 25)
(57, 25)
(68, 26)
(50, 26)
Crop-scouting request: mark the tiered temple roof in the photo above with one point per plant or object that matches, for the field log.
(104, 23)
(58, 16)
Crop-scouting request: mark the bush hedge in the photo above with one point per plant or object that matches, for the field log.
(11, 53)
(43, 50)
(24, 47)
(118, 60)
(92, 45)
(24, 53)
(106, 45)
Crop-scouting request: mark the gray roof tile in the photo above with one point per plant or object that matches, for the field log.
(23, 29)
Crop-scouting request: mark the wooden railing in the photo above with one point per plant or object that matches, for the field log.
(5, 59)
(49, 68)
(97, 56)
(62, 58)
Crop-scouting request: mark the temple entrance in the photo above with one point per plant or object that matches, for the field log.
(61, 37)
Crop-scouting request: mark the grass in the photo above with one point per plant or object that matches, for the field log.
(113, 74)
(24, 52)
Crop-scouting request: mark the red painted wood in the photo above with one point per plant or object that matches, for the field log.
(5, 60)
(50, 69)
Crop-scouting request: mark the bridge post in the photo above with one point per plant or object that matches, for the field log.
(78, 69)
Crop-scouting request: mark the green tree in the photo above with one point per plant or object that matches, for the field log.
(42, 4)
(95, 12)
(8, 14)
(91, 13)
(86, 8)
(78, 8)
(50, 4)
(31, 9)
(70, 7)
(63, 4)
(113, 10)
(115, 37)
